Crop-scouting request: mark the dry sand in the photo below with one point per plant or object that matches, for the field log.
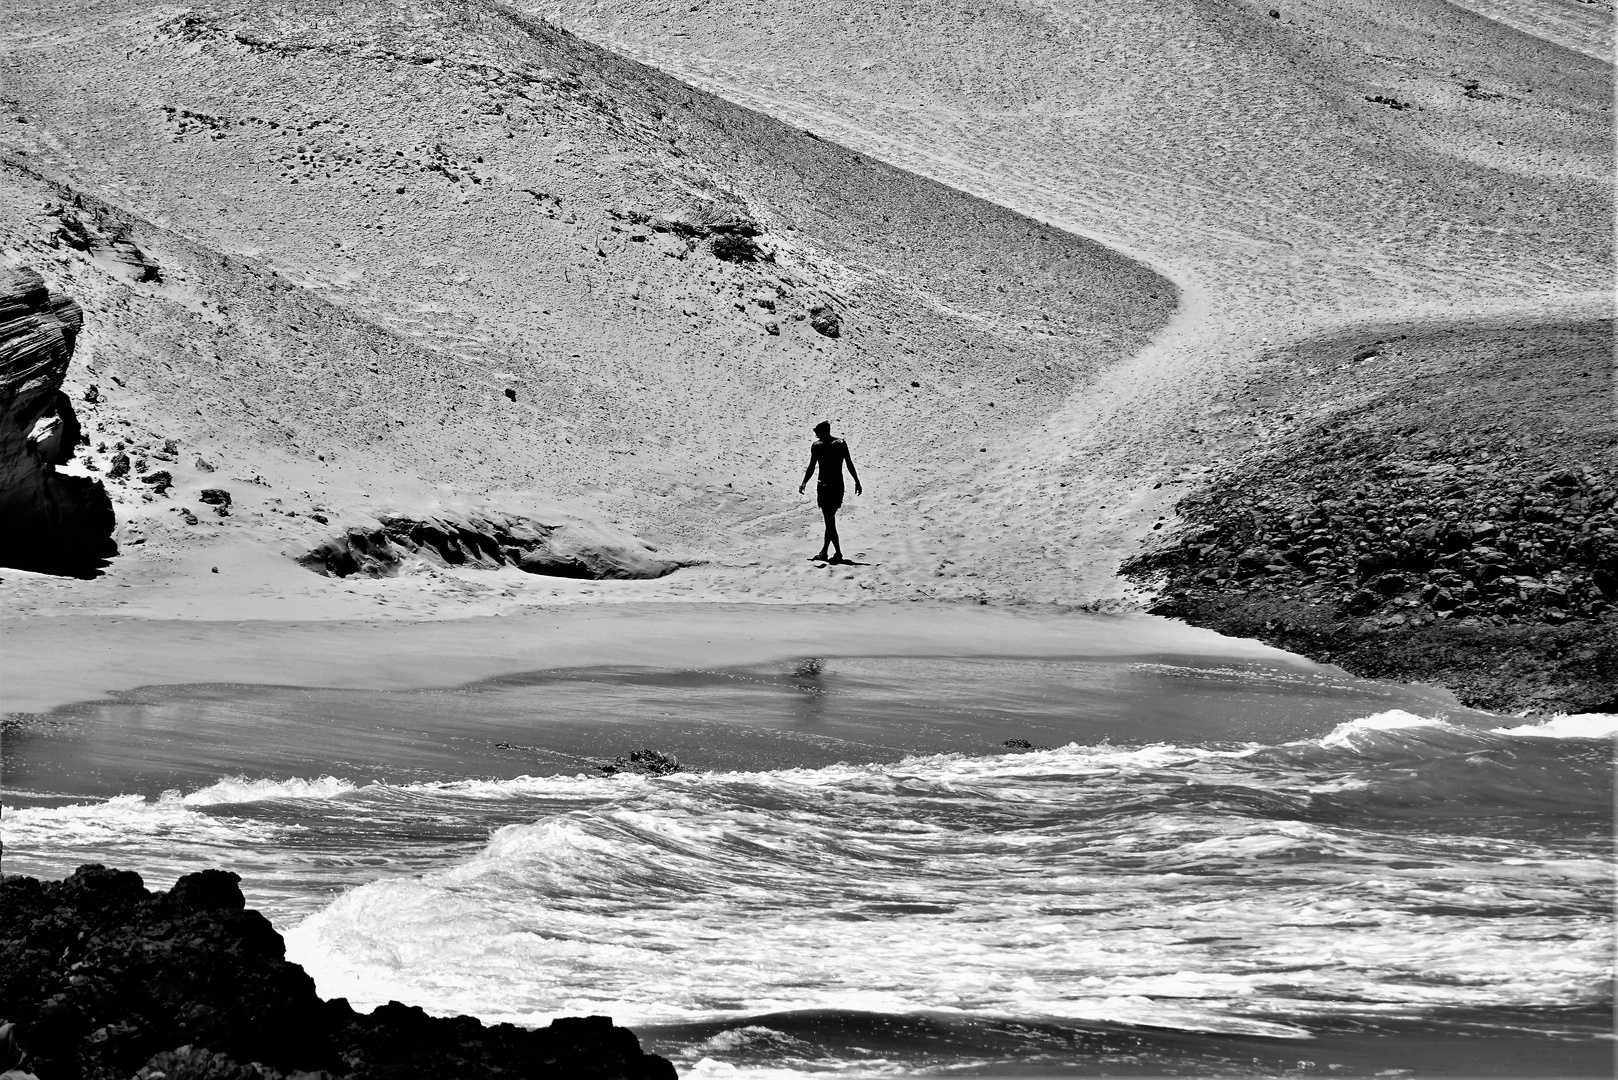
(1026, 398)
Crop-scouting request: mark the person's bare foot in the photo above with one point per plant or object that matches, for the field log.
(818, 558)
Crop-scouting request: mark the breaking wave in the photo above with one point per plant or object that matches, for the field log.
(1397, 867)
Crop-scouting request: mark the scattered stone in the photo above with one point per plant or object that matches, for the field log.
(93, 394)
(161, 481)
(120, 466)
(642, 762)
(1329, 545)
(214, 496)
(825, 321)
(187, 516)
(772, 328)
(204, 465)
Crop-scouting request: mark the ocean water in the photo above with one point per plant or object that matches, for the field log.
(1201, 868)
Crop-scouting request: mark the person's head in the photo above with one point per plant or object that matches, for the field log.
(823, 429)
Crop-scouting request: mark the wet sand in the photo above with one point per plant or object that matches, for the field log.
(51, 662)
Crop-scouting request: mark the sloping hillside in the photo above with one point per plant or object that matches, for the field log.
(336, 255)
(1296, 168)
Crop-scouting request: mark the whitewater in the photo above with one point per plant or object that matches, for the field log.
(1218, 904)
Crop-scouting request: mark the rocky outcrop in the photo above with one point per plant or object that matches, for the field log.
(1428, 501)
(106, 980)
(488, 541)
(642, 763)
(49, 521)
(1481, 567)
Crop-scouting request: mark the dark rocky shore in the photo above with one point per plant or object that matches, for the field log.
(107, 981)
(1442, 508)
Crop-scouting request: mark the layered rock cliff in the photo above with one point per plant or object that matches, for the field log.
(49, 521)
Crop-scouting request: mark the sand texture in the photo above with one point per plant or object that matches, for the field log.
(362, 263)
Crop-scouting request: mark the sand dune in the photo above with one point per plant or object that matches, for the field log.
(408, 253)
(373, 221)
(1244, 156)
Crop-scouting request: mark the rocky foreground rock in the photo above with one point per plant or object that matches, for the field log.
(107, 981)
(49, 521)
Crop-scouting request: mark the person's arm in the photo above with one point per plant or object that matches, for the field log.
(848, 456)
(810, 471)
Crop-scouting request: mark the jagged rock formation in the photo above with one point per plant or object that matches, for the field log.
(488, 541)
(48, 521)
(107, 980)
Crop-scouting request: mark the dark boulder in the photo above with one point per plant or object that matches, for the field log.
(106, 980)
(1375, 562)
(825, 321)
(574, 549)
(643, 762)
(734, 247)
(1389, 584)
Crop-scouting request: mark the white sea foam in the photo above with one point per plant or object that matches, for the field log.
(1359, 734)
(1163, 885)
(128, 818)
(1568, 726)
(1100, 883)
(239, 789)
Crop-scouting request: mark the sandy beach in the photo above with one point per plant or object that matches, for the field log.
(403, 405)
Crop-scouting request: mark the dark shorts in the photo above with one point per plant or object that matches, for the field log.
(829, 496)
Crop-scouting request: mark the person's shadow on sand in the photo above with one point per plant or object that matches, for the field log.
(836, 561)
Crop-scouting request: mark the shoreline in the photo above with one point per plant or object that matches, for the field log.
(49, 662)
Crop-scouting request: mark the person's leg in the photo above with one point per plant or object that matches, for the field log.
(831, 534)
(831, 531)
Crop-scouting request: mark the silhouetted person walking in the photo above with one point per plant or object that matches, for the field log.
(830, 455)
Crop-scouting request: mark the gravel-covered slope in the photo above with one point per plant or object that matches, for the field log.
(1431, 504)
